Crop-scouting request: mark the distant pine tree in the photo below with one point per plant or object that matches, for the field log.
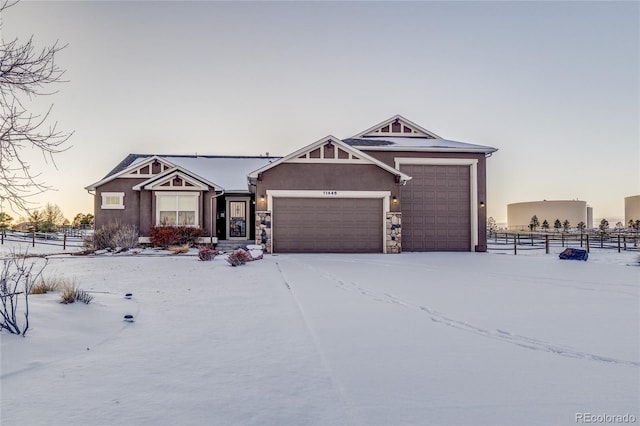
(533, 225)
(557, 224)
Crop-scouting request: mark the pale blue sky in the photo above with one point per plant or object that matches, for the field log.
(553, 85)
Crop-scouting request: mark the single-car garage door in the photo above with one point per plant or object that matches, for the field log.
(327, 225)
(436, 208)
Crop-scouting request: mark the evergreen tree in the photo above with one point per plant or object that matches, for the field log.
(581, 226)
(604, 226)
(557, 224)
(566, 225)
(5, 221)
(533, 225)
(545, 225)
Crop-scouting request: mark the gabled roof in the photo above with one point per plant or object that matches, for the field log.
(397, 126)
(169, 175)
(130, 163)
(355, 156)
(416, 144)
(399, 134)
(228, 172)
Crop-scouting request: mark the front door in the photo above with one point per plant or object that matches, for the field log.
(237, 219)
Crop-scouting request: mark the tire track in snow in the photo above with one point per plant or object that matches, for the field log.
(337, 386)
(498, 334)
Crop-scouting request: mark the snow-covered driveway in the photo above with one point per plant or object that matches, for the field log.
(414, 339)
(470, 338)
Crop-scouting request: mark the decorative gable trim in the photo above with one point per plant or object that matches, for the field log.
(397, 126)
(150, 167)
(329, 150)
(177, 179)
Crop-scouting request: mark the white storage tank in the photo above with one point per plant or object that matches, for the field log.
(631, 209)
(519, 214)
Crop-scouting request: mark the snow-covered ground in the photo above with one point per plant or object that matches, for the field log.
(411, 339)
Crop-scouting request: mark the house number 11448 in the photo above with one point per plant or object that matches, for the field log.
(329, 192)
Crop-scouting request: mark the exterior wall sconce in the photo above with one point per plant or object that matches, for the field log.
(262, 197)
(394, 199)
(482, 204)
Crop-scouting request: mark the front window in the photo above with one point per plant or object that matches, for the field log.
(177, 209)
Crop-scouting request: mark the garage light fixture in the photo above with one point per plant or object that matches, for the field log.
(394, 199)
(482, 204)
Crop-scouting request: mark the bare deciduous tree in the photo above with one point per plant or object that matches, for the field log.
(26, 73)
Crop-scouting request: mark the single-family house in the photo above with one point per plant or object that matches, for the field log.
(393, 187)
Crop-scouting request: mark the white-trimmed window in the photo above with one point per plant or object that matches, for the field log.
(112, 200)
(177, 209)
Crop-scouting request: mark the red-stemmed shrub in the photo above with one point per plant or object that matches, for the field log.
(207, 253)
(240, 257)
(165, 236)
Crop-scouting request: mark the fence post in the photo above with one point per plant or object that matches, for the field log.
(33, 238)
(587, 243)
(3, 236)
(618, 243)
(64, 241)
(624, 241)
(580, 238)
(602, 240)
(546, 243)
(563, 239)
(515, 244)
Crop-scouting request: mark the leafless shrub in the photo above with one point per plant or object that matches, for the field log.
(113, 234)
(126, 237)
(18, 272)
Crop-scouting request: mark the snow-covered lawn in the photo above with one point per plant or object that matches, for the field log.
(411, 339)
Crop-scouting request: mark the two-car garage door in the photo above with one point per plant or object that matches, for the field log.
(327, 225)
(436, 208)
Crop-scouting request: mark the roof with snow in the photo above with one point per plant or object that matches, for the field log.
(399, 134)
(229, 172)
(415, 143)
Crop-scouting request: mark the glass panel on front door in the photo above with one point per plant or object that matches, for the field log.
(237, 219)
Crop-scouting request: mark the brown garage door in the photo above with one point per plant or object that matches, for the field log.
(327, 225)
(436, 208)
